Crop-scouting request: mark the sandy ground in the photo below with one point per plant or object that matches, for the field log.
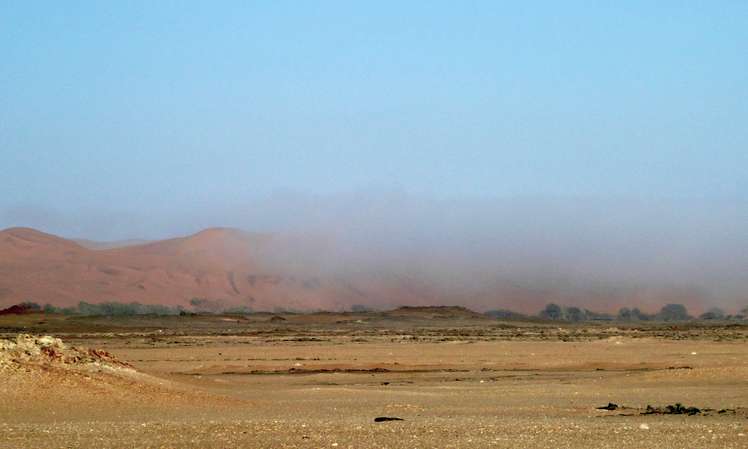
(298, 388)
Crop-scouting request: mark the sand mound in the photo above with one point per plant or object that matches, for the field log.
(42, 379)
(435, 312)
(29, 350)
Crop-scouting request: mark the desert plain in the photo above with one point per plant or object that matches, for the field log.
(454, 379)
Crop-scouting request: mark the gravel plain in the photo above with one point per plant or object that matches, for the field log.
(455, 384)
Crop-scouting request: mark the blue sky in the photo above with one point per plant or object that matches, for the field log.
(165, 106)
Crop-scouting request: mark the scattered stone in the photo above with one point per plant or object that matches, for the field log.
(644, 426)
(387, 418)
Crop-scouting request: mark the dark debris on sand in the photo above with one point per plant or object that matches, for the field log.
(387, 418)
(672, 409)
(610, 406)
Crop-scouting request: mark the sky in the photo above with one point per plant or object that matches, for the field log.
(164, 106)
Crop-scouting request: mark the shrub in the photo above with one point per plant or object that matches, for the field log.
(505, 314)
(552, 312)
(112, 309)
(674, 312)
(626, 314)
(575, 314)
(31, 306)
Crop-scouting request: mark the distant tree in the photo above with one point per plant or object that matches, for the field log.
(49, 308)
(575, 314)
(674, 312)
(360, 308)
(85, 308)
(69, 311)
(31, 306)
(114, 308)
(624, 314)
(552, 312)
(715, 313)
(742, 315)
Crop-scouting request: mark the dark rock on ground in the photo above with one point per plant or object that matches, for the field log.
(675, 409)
(610, 406)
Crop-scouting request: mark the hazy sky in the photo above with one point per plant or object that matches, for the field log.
(162, 108)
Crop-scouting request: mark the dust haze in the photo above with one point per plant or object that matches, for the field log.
(598, 253)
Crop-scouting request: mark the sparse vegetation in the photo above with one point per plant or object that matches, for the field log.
(573, 314)
(112, 309)
(31, 306)
(204, 305)
(626, 314)
(715, 313)
(506, 314)
(551, 312)
(239, 310)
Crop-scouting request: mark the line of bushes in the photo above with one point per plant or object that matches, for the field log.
(668, 313)
(552, 312)
(114, 308)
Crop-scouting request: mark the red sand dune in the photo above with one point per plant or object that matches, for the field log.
(216, 264)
